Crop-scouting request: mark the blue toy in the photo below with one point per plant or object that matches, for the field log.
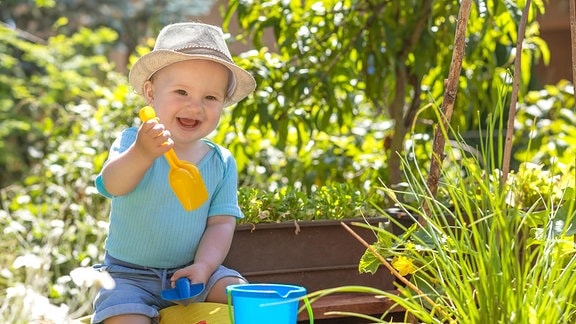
(183, 290)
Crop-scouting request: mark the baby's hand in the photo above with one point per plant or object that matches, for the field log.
(153, 139)
(196, 272)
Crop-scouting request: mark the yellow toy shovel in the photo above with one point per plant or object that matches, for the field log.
(184, 177)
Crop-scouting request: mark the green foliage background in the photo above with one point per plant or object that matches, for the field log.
(366, 69)
(312, 142)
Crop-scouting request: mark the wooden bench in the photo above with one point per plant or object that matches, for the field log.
(359, 303)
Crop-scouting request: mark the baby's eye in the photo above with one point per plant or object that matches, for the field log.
(211, 98)
(181, 92)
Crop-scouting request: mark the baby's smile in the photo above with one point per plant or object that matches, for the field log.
(188, 122)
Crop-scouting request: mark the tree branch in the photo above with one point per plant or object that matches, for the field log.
(514, 99)
(447, 104)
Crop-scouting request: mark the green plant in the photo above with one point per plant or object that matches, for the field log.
(482, 259)
(499, 251)
(487, 251)
(330, 62)
(546, 125)
(337, 201)
(138, 18)
(58, 113)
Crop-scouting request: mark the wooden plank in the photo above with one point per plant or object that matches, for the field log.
(350, 302)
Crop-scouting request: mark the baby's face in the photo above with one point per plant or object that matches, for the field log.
(189, 97)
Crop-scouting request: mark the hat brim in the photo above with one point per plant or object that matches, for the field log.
(153, 61)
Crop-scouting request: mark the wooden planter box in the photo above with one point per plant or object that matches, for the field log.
(313, 254)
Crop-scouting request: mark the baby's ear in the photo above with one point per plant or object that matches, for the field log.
(148, 91)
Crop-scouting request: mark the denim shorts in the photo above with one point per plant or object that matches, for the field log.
(137, 289)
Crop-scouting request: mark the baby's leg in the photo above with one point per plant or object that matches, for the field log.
(218, 292)
(134, 299)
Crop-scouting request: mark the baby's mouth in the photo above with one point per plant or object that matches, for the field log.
(188, 123)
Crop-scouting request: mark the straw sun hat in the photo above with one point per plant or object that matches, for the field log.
(191, 41)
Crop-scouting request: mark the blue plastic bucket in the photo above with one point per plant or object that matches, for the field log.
(265, 303)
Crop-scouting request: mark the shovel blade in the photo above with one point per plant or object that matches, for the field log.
(190, 190)
(186, 182)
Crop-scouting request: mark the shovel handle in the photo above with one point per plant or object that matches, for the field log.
(172, 158)
(147, 113)
(183, 287)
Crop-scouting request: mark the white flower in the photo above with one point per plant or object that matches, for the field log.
(36, 306)
(88, 277)
(28, 261)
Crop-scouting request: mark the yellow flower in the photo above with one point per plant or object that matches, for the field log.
(403, 265)
(564, 247)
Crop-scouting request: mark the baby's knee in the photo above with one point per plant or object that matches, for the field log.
(218, 292)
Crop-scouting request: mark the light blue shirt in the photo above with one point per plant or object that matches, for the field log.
(149, 226)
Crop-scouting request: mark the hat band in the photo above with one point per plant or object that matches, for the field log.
(205, 51)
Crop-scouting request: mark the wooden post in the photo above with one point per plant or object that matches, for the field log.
(514, 98)
(447, 104)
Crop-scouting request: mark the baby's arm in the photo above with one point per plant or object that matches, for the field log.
(212, 251)
(123, 172)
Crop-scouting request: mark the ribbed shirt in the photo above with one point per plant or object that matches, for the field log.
(149, 227)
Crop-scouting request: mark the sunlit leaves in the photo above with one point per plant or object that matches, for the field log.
(340, 61)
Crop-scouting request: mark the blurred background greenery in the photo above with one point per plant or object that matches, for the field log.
(344, 90)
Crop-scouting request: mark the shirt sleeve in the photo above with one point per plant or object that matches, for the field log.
(121, 144)
(225, 200)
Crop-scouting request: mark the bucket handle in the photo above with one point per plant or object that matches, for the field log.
(230, 312)
(305, 299)
(309, 309)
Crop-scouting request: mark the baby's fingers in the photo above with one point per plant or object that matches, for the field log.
(154, 131)
(153, 139)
